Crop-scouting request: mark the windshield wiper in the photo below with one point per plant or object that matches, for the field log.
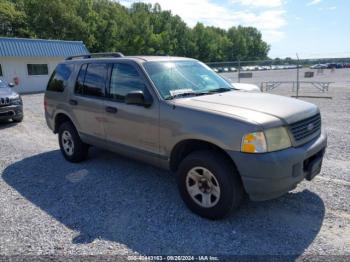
(186, 94)
(180, 95)
(220, 90)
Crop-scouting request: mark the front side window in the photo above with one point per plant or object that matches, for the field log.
(1, 71)
(124, 79)
(59, 78)
(179, 77)
(37, 69)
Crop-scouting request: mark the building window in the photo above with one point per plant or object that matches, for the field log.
(37, 69)
(1, 71)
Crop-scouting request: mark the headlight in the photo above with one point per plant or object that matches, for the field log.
(277, 139)
(254, 143)
(270, 140)
(16, 100)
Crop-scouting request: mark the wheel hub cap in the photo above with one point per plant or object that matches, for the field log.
(203, 187)
(67, 143)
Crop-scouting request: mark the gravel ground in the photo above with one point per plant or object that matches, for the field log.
(113, 205)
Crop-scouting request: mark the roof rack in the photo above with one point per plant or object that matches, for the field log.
(87, 56)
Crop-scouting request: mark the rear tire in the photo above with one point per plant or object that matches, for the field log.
(209, 185)
(72, 148)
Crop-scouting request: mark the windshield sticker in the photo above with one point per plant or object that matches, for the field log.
(180, 91)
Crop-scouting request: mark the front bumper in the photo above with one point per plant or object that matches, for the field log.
(270, 175)
(11, 111)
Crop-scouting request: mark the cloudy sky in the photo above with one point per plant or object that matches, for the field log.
(312, 28)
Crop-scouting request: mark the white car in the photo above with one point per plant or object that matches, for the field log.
(319, 66)
(246, 87)
(243, 86)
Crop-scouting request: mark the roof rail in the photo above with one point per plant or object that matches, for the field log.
(87, 56)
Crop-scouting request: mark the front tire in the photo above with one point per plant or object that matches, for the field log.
(209, 185)
(72, 148)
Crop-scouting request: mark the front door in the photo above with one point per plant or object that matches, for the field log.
(132, 129)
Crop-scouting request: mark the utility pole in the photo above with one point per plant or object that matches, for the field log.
(239, 70)
(298, 82)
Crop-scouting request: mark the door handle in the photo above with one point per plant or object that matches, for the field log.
(111, 110)
(73, 102)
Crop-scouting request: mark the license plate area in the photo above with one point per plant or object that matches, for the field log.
(312, 165)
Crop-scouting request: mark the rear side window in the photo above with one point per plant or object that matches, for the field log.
(0, 70)
(91, 80)
(124, 79)
(59, 78)
(95, 80)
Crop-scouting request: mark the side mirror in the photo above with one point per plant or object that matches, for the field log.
(137, 98)
(12, 85)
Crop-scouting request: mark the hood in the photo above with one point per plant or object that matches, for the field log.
(6, 92)
(261, 108)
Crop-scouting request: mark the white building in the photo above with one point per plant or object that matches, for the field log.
(28, 63)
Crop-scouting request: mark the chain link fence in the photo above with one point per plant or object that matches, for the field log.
(296, 78)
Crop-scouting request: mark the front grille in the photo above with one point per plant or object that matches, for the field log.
(8, 113)
(4, 101)
(306, 128)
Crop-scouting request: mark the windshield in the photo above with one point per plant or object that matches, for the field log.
(3, 84)
(180, 78)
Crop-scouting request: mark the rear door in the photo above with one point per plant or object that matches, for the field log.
(87, 102)
(132, 129)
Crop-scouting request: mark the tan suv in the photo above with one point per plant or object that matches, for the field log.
(178, 114)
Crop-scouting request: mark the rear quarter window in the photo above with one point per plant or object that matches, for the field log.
(59, 78)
